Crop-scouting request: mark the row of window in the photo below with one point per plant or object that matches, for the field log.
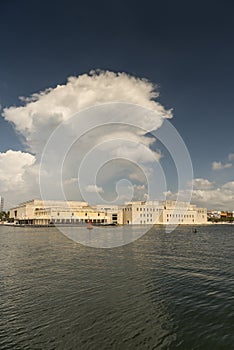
(147, 209)
(63, 221)
(179, 220)
(145, 221)
(180, 216)
(72, 214)
(146, 215)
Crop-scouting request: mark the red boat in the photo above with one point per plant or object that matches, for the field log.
(90, 226)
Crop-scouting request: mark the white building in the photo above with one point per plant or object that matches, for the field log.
(114, 212)
(163, 212)
(38, 212)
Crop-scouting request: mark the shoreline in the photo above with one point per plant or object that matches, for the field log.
(100, 226)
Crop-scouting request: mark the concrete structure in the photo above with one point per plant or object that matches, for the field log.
(113, 212)
(163, 212)
(38, 212)
(1, 203)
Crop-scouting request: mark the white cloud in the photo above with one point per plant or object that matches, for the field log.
(140, 175)
(14, 169)
(202, 184)
(45, 110)
(41, 113)
(218, 198)
(210, 196)
(220, 166)
(71, 181)
(231, 157)
(136, 152)
(229, 186)
(140, 192)
(94, 189)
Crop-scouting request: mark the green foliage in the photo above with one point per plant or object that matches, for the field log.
(4, 215)
(222, 219)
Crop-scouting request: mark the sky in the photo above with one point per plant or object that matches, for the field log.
(173, 57)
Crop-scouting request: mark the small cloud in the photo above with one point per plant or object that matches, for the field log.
(140, 192)
(231, 157)
(202, 184)
(93, 189)
(229, 186)
(71, 181)
(220, 166)
(13, 167)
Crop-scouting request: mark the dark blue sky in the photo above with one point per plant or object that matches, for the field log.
(187, 47)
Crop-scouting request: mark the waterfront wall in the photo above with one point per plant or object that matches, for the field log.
(40, 212)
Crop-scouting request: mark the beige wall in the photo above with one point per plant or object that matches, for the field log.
(156, 212)
(164, 212)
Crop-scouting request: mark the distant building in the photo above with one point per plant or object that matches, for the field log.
(163, 212)
(226, 215)
(113, 212)
(1, 203)
(38, 212)
(214, 214)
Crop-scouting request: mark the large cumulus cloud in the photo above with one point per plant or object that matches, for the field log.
(39, 115)
(43, 111)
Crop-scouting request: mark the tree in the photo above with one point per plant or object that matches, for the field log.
(4, 216)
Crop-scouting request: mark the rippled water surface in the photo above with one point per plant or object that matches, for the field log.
(164, 291)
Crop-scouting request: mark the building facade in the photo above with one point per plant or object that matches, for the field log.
(38, 212)
(163, 212)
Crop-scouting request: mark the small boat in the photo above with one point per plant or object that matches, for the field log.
(195, 230)
(103, 224)
(90, 226)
